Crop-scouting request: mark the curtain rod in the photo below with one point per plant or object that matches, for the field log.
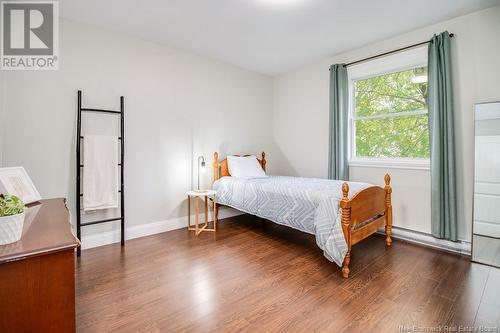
(390, 52)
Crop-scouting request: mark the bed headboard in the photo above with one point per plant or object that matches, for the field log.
(221, 169)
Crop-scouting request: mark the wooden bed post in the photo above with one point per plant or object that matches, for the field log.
(216, 177)
(216, 166)
(346, 227)
(388, 205)
(263, 161)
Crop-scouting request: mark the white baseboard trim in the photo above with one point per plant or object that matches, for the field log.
(460, 247)
(142, 230)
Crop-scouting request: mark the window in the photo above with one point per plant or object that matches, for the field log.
(388, 116)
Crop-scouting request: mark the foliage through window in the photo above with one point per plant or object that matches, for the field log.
(390, 117)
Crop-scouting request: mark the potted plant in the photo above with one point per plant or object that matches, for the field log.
(11, 219)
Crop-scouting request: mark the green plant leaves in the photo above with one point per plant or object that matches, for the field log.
(10, 205)
(382, 131)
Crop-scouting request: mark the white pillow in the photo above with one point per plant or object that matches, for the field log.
(245, 167)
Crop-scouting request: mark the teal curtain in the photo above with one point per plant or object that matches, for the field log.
(442, 139)
(338, 149)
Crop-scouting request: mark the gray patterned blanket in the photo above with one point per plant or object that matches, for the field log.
(308, 204)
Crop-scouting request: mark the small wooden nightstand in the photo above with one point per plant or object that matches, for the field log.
(198, 195)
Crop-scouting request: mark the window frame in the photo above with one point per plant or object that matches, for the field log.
(403, 61)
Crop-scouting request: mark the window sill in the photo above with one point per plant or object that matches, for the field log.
(386, 163)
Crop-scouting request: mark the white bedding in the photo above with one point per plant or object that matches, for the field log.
(310, 205)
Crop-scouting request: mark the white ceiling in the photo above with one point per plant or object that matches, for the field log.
(267, 36)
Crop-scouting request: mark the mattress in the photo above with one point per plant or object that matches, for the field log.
(310, 205)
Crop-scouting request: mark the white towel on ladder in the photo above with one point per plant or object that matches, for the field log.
(100, 172)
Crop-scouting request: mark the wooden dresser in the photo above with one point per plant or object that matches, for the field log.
(37, 273)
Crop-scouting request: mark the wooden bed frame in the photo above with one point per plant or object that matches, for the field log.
(362, 215)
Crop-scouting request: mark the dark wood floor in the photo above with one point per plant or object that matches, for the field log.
(261, 277)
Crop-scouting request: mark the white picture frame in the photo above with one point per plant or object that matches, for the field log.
(15, 181)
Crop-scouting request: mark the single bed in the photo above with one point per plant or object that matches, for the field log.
(339, 214)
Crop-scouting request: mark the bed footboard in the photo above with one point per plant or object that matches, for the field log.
(364, 214)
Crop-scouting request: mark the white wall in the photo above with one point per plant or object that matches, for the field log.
(301, 115)
(177, 106)
(2, 123)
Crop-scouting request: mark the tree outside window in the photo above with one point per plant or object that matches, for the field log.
(390, 118)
